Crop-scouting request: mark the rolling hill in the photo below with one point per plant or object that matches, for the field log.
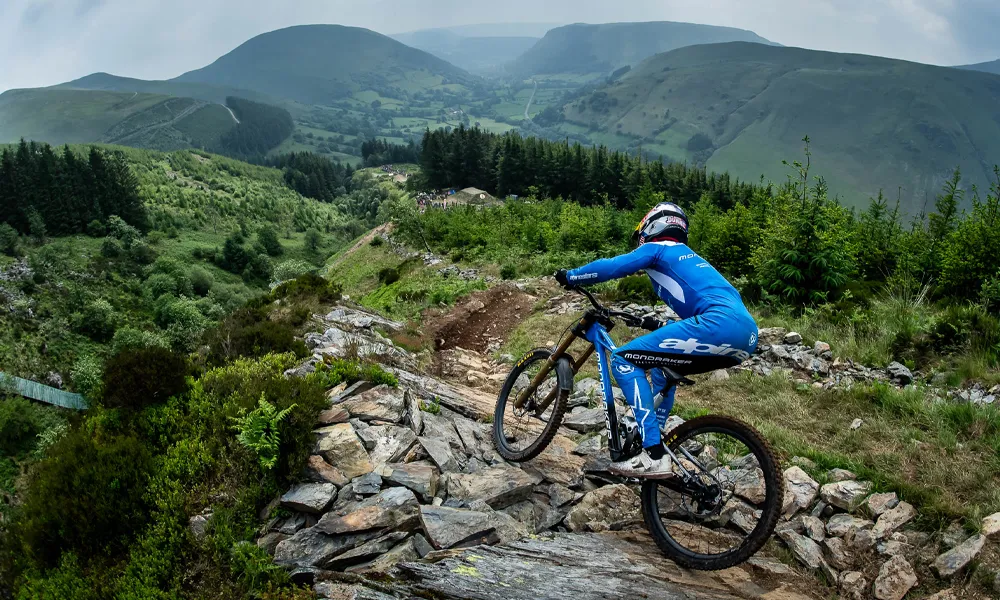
(65, 116)
(599, 49)
(992, 66)
(320, 64)
(875, 123)
(198, 91)
(477, 54)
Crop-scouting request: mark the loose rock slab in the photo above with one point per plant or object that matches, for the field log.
(957, 558)
(561, 567)
(309, 497)
(498, 486)
(895, 579)
(800, 491)
(448, 527)
(342, 449)
(845, 495)
(603, 509)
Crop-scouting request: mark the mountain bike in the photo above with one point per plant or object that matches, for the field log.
(724, 499)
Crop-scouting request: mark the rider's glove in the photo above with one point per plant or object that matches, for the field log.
(562, 277)
(651, 324)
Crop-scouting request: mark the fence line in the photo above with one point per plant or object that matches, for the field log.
(42, 393)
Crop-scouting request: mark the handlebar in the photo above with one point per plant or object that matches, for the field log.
(629, 319)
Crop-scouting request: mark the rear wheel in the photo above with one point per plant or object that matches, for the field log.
(729, 509)
(520, 434)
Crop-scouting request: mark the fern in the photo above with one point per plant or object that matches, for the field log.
(259, 431)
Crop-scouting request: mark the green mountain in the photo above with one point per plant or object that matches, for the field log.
(321, 64)
(875, 123)
(198, 91)
(476, 54)
(155, 121)
(600, 49)
(992, 66)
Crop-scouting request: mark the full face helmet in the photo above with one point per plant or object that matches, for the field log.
(666, 222)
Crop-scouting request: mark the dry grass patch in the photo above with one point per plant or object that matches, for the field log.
(942, 457)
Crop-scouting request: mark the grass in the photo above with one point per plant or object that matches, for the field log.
(939, 456)
(419, 287)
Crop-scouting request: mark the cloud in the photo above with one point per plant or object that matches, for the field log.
(44, 42)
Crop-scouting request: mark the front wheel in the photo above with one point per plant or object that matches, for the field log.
(520, 434)
(728, 509)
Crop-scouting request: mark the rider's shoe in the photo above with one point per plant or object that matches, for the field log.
(643, 466)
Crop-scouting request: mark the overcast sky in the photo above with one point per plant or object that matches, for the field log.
(45, 42)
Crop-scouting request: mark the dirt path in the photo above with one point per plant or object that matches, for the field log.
(366, 239)
(482, 319)
(530, 100)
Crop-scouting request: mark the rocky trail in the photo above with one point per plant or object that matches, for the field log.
(405, 496)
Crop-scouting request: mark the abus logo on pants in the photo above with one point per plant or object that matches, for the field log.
(625, 369)
(692, 346)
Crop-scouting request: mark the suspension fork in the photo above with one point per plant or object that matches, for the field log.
(550, 364)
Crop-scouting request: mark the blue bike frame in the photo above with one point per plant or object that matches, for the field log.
(597, 335)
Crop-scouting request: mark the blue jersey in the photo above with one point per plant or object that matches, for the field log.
(685, 281)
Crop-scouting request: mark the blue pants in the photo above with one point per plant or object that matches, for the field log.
(710, 341)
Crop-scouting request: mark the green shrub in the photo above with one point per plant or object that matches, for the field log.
(183, 321)
(969, 258)
(96, 229)
(21, 422)
(130, 337)
(388, 276)
(88, 496)
(308, 284)
(86, 374)
(313, 240)
(8, 240)
(637, 288)
(142, 377)
(377, 241)
(201, 281)
(97, 320)
(66, 581)
(290, 269)
(267, 237)
(235, 338)
(258, 269)
(508, 271)
(159, 284)
(340, 370)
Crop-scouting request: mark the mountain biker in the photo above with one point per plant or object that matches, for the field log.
(716, 330)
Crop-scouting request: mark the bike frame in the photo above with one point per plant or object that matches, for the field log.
(593, 328)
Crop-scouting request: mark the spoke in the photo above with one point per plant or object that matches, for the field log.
(711, 512)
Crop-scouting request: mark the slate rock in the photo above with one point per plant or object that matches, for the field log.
(800, 491)
(898, 373)
(588, 420)
(387, 443)
(839, 524)
(310, 498)
(318, 470)
(381, 403)
(421, 477)
(605, 508)
(441, 453)
(368, 484)
(893, 519)
(956, 559)
(845, 495)
(497, 486)
(342, 449)
(589, 446)
(895, 578)
(449, 527)
(805, 550)
(835, 475)
(879, 503)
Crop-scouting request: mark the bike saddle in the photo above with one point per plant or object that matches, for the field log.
(675, 378)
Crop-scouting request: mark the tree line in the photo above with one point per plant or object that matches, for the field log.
(261, 127)
(509, 164)
(43, 191)
(379, 152)
(313, 175)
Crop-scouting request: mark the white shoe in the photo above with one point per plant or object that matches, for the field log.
(643, 466)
